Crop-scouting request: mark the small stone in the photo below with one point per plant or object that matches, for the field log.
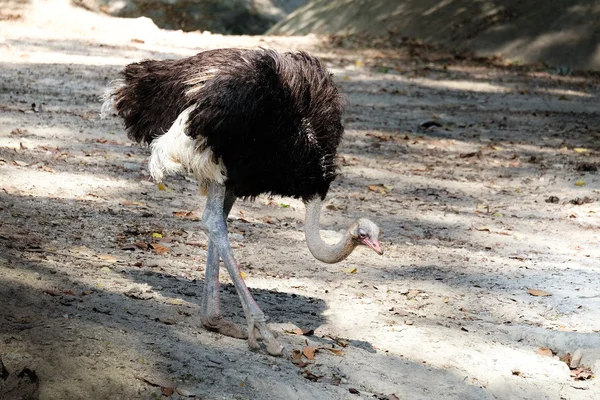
(576, 358)
(188, 292)
(131, 166)
(236, 236)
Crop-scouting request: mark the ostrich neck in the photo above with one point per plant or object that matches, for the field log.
(320, 250)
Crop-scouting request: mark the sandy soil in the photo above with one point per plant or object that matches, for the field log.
(456, 159)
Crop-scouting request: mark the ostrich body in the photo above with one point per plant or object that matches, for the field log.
(243, 122)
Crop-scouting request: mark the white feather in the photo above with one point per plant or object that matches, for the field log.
(176, 152)
(108, 98)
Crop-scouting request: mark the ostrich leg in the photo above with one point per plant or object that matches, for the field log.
(214, 223)
(210, 314)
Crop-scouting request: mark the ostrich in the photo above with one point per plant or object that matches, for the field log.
(243, 122)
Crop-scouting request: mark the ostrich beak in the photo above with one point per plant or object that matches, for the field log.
(373, 244)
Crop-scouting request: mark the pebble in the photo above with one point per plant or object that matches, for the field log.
(576, 358)
(236, 236)
(132, 166)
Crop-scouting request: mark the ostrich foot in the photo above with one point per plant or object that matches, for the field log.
(217, 323)
(258, 329)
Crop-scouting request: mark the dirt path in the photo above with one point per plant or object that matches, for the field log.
(483, 178)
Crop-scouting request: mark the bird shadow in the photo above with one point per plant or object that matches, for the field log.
(59, 232)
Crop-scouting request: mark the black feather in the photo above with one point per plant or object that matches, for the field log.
(273, 119)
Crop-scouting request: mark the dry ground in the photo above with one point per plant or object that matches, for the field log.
(456, 159)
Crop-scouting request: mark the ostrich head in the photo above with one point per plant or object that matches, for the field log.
(361, 232)
(365, 232)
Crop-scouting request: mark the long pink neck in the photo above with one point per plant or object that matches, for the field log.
(319, 249)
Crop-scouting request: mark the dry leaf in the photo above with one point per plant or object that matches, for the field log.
(579, 201)
(107, 257)
(544, 351)
(243, 274)
(270, 220)
(383, 138)
(582, 374)
(175, 302)
(580, 149)
(297, 359)
(579, 183)
(152, 381)
(142, 245)
(139, 293)
(159, 248)
(539, 293)
(377, 188)
(298, 331)
(310, 376)
(133, 203)
(309, 352)
(339, 341)
(337, 352)
(186, 215)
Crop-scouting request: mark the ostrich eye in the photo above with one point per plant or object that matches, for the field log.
(362, 233)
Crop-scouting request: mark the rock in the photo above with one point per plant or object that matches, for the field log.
(236, 17)
(527, 31)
